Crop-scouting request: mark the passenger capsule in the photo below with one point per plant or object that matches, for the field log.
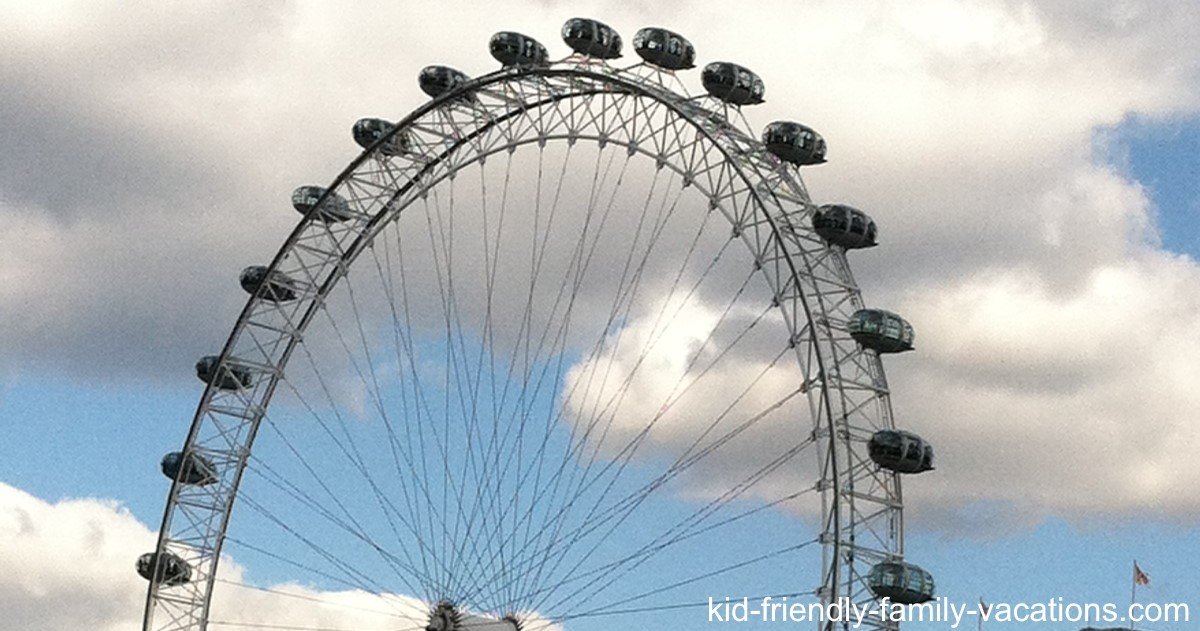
(368, 131)
(196, 469)
(438, 80)
(164, 568)
(845, 226)
(234, 377)
(279, 286)
(334, 209)
(665, 49)
(592, 38)
(794, 143)
(901, 582)
(881, 331)
(899, 451)
(515, 49)
(732, 83)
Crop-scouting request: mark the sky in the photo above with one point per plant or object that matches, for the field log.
(1033, 168)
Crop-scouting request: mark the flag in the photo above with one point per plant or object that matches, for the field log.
(984, 608)
(1140, 577)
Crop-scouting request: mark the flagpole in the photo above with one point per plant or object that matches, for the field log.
(1133, 593)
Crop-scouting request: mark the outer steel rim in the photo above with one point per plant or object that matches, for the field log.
(761, 197)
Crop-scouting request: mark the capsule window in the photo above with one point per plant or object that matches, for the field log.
(857, 224)
(837, 219)
(305, 196)
(847, 221)
(872, 322)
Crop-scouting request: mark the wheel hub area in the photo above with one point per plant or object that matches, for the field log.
(445, 616)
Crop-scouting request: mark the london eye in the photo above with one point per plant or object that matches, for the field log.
(566, 346)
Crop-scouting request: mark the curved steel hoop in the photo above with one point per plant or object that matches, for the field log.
(766, 205)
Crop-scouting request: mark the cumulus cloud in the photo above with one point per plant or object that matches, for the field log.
(684, 381)
(150, 156)
(1071, 403)
(70, 565)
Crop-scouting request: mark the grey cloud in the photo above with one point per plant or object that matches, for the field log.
(976, 160)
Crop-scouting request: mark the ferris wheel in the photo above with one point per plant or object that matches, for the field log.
(566, 346)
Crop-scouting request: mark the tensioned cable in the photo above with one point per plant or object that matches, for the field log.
(349, 449)
(680, 538)
(584, 483)
(614, 313)
(542, 624)
(359, 531)
(285, 627)
(481, 463)
(362, 581)
(320, 601)
(594, 198)
(439, 274)
(691, 521)
(700, 577)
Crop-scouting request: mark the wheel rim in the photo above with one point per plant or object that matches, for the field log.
(761, 198)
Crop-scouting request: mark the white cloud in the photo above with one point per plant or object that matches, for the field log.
(697, 380)
(70, 565)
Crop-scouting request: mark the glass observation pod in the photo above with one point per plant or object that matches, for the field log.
(665, 49)
(279, 286)
(794, 143)
(164, 569)
(901, 582)
(881, 331)
(335, 208)
(438, 80)
(845, 226)
(368, 131)
(233, 377)
(196, 469)
(592, 38)
(900, 451)
(515, 49)
(732, 83)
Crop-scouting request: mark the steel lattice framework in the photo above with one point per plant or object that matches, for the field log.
(575, 100)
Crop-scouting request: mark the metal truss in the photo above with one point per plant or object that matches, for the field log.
(575, 100)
